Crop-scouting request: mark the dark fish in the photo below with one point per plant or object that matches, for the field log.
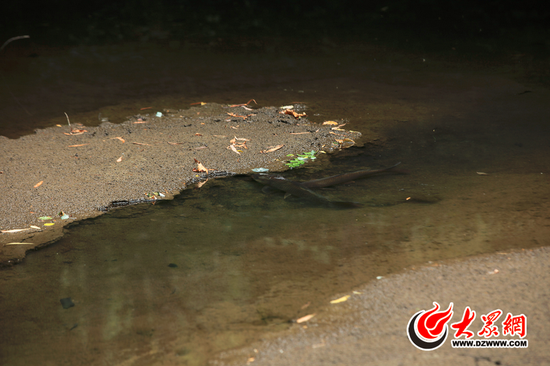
(299, 190)
(347, 177)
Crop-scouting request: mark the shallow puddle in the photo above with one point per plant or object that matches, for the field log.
(178, 281)
(217, 267)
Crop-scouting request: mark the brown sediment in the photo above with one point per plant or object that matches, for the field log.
(83, 171)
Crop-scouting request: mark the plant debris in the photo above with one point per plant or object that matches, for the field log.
(146, 159)
(293, 113)
(342, 299)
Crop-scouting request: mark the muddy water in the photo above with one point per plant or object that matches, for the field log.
(219, 266)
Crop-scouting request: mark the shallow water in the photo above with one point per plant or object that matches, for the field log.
(178, 281)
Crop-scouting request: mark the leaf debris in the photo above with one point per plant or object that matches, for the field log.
(341, 299)
(305, 318)
(271, 149)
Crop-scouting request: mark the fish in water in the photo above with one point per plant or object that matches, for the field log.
(297, 189)
(348, 177)
(303, 189)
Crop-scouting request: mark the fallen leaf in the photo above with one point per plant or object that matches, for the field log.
(140, 143)
(38, 184)
(482, 173)
(35, 227)
(198, 134)
(75, 132)
(49, 224)
(346, 141)
(144, 108)
(119, 138)
(232, 147)
(19, 244)
(119, 160)
(175, 143)
(200, 167)
(45, 218)
(271, 149)
(78, 145)
(299, 133)
(14, 230)
(240, 139)
(342, 299)
(305, 318)
(330, 123)
(292, 113)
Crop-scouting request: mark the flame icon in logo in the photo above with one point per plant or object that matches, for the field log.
(427, 330)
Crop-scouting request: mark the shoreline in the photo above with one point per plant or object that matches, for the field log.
(66, 173)
(370, 327)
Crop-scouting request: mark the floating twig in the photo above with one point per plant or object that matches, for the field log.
(11, 40)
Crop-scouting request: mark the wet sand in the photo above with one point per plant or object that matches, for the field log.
(83, 171)
(370, 328)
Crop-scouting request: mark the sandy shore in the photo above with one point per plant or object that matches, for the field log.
(69, 173)
(370, 327)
